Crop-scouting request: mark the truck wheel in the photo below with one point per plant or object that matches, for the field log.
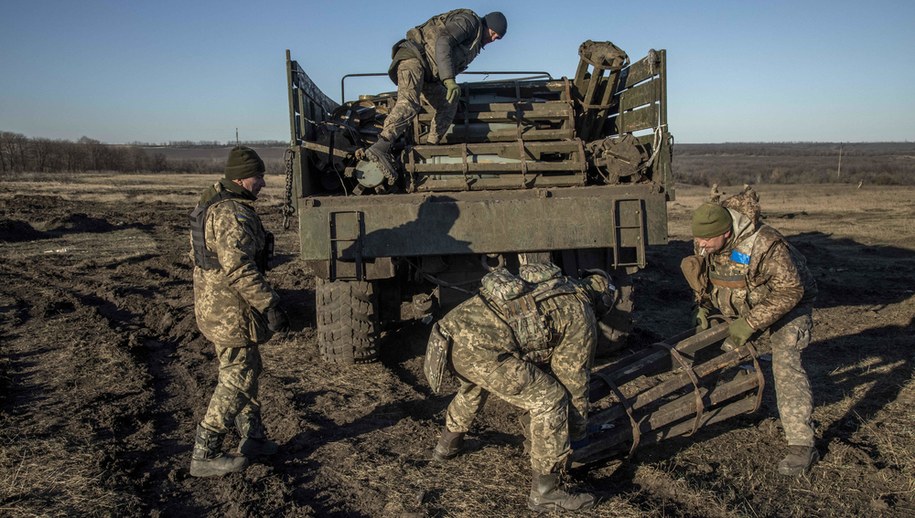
(346, 321)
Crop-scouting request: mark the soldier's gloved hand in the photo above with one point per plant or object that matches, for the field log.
(740, 331)
(454, 91)
(277, 321)
(701, 318)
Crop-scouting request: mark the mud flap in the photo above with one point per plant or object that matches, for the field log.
(436, 361)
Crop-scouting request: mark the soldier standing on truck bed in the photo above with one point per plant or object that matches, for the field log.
(747, 270)
(500, 341)
(426, 63)
(236, 309)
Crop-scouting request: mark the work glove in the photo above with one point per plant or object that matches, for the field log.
(701, 318)
(454, 91)
(277, 320)
(740, 331)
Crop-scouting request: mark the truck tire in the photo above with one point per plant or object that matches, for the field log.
(345, 312)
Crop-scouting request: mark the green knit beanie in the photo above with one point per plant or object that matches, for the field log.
(243, 163)
(711, 220)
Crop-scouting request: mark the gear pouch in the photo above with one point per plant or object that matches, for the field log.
(437, 351)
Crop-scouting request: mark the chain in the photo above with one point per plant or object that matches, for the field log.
(288, 209)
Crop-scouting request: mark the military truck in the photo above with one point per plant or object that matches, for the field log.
(574, 170)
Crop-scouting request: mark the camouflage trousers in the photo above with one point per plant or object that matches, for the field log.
(411, 85)
(522, 383)
(789, 336)
(236, 389)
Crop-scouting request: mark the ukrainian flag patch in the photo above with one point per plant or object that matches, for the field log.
(740, 257)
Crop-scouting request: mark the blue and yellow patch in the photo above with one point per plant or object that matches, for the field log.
(740, 257)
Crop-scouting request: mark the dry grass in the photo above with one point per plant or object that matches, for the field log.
(49, 477)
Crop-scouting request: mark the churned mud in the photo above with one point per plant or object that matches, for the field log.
(103, 376)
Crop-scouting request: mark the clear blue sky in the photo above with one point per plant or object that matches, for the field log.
(155, 71)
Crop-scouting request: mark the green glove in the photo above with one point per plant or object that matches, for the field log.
(454, 91)
(740, 331)
(701, 318)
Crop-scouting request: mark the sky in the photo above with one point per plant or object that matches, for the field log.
(738, 71)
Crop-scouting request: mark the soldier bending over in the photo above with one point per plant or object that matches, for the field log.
(747, 270)
(500, 340)
(426, 63)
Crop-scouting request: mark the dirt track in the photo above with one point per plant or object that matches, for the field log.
(103, 377)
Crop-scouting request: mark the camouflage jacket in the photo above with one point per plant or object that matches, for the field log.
(757, 274)
(478, 328)
(229, 301)
(445, 44)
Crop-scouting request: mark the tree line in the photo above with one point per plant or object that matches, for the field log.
(19, 153)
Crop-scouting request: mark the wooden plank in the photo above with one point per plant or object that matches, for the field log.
(646, 118)
(500, 167)
(457, 183)
(640, 71)
(653, 360)
(618, 443)
(480, 134)
(640, 95)
(484, 148)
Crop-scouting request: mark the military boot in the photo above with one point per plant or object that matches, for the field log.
(208, 460)
(449, 446)
(254, 441)
(547, 495)
(798, 461)
(380, 153)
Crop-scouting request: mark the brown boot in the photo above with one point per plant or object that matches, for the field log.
(798, 461)
(547, 495)
(208, 460)
(449, 446)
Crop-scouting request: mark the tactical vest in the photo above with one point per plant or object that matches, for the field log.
(522, 305)
(729, 278)
(208, 260)
(427, 34)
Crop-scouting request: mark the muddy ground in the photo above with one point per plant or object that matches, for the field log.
(103, 376)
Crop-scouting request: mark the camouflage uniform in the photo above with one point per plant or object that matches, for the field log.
(488, 357)
(229, 302)
(410, 85)
(435, 51)
(758, 275)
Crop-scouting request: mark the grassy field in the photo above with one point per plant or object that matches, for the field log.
(103, 375)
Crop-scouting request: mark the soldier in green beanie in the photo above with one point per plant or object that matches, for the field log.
(236, 309)
(425, 64)
(747, 271)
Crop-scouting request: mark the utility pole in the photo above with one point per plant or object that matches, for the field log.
(839, 170)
